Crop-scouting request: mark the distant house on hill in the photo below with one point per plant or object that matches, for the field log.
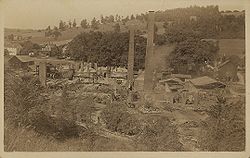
(46, 49)
(215, 42)
(12, 48)
(17, 38)
(193, 18)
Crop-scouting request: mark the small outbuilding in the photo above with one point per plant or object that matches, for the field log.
(206, 82)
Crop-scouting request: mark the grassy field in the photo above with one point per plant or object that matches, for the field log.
(232, 47)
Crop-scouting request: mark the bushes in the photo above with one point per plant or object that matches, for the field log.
(117, 119)
(21, 96)
(226, 127)
(58, 128)
(159, 135)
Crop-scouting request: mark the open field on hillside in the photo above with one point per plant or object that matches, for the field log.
(232, 47)
(38, 36)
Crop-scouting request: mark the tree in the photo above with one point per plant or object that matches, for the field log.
(22, 99)
(84, 23)
(74, 23)
(61, 25)
(48, 31)
(70, 24)
(48, 28)
(55, 51)
(57, 33)
(6, 52)
(190, 55)
(28, 46)
(117, 27)
(102, 20)
(107, 48)
(225, 127)
(117, 18)
(132, 17)
(111, 19)
(94, 24)
(55, 28)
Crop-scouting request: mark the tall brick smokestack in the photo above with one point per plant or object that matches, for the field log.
(42, 73)
(131, 56)
(149, 66)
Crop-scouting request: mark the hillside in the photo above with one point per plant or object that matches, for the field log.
(38, 36)
(232, 47)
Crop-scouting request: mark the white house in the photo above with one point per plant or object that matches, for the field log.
(12, 48)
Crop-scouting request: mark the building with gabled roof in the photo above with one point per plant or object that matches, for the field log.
(13, 48)
(15, 62)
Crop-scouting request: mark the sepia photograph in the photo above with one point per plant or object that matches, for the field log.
(124, 76)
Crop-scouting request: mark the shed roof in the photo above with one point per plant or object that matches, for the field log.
(181, 76)
(25, 58)
(177, 80)
(206, 82)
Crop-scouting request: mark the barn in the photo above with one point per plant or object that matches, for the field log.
(16, 63)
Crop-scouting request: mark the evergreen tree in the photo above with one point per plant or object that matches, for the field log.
(74, 23)
(84, 23)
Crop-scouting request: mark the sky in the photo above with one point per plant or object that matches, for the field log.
(38, 14)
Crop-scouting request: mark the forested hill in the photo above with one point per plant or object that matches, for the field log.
(207, 21)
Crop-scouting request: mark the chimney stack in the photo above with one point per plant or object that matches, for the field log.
(42, 73)
(131, 55)
(149, 65)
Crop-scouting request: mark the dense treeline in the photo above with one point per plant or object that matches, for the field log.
(191, 55)
(208, 22)
(184, 26)
(107, 49)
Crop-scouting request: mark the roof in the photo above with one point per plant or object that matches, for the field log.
(206, 82)
(25, 58)
(7, 58)
(12, 45)
(177, 80)
(181, 76)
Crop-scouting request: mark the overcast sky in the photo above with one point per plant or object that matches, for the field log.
(37, 14)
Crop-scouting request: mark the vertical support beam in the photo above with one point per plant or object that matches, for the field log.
(149, 65)
(42, 73)
(131, 55)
